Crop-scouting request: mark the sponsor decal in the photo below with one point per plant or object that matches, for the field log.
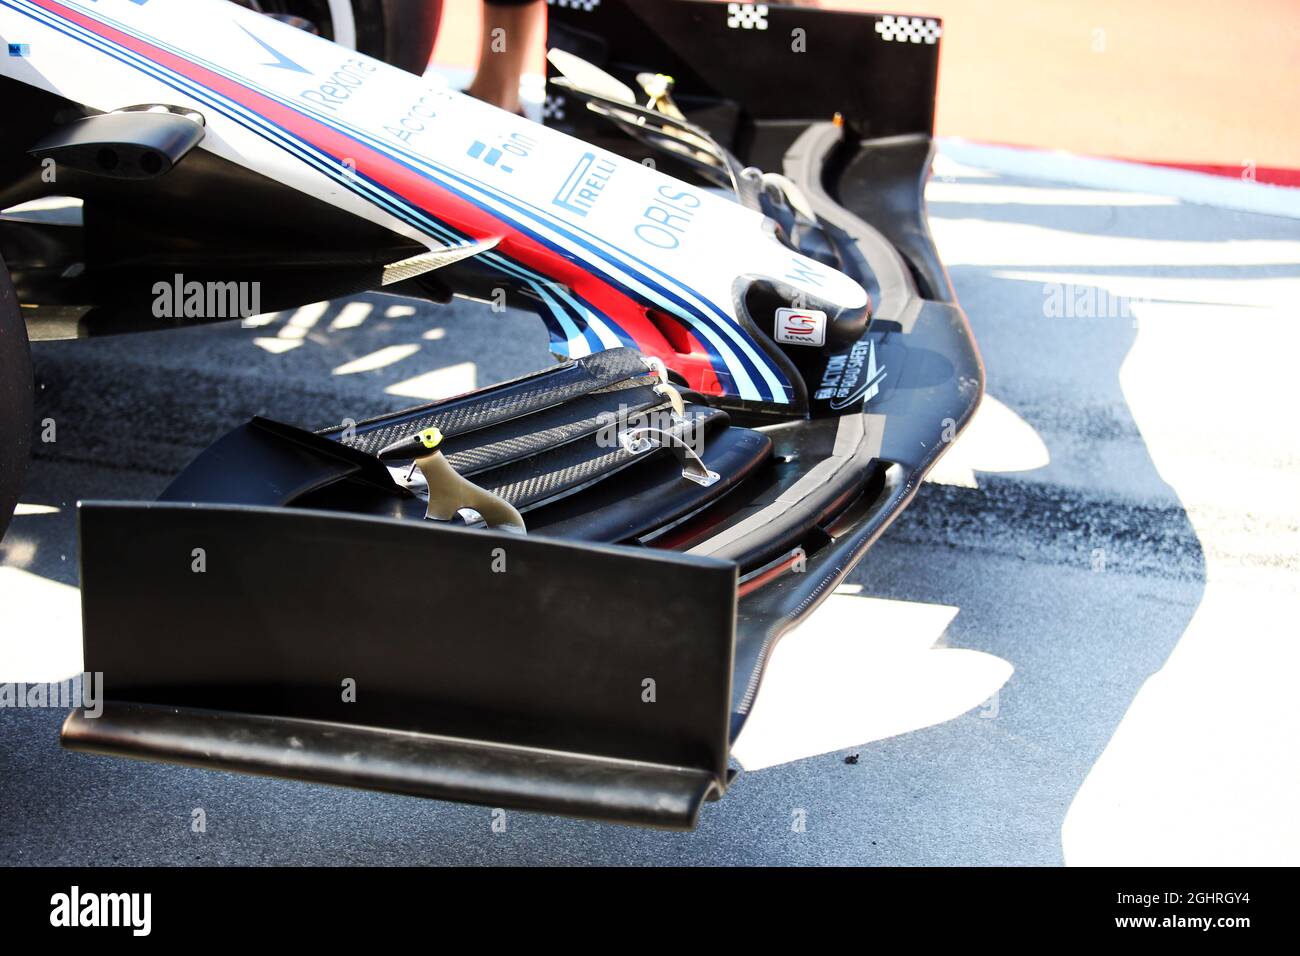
(281, 61)
(338, 87)
(584, 185)
(412, 122)
(801, 327)
(667, 217)
(804, 272)
(852, 377)
(516, 144)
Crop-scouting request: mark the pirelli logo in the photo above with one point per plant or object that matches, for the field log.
(584, 184)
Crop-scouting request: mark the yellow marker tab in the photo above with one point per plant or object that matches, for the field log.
(430, 438)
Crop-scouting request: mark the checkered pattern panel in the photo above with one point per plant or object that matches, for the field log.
(587, 5)
(909, 30)
(747, 16)
(553, 107)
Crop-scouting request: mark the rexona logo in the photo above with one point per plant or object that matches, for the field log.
(801, 327)
(102, 909)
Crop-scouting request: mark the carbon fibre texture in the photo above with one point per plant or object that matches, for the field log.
(504, 402)
(521, 437)
(566, 468)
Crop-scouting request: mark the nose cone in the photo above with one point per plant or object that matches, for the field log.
(419, 445)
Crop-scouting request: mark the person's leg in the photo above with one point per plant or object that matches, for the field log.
(511, 28)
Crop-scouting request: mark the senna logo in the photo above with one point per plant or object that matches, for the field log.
(801, 327)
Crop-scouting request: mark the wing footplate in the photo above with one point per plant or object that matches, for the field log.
(420, 765)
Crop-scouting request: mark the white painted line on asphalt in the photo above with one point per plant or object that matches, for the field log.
(1200, 188)
(995, 194)
(1263, 293)
(1202, 771)
(980, 242)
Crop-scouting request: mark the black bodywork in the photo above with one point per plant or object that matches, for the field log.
(602, 665)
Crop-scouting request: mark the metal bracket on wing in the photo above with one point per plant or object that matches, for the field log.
(638, 441)
(665, 387)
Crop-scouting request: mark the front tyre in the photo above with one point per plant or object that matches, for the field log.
(16, 390)
(400, 32)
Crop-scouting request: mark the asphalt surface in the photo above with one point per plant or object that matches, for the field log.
(1077, 646)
